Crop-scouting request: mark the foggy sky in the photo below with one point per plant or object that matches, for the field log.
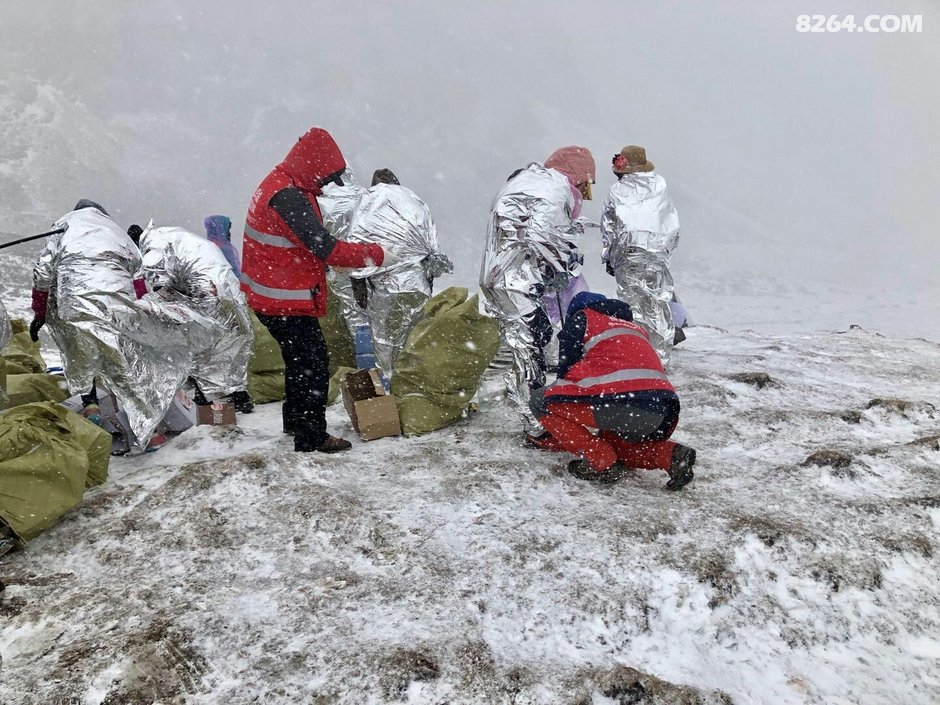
(799, 159)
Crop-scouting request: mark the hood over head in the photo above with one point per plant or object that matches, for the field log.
(385, 176)
(218, 228)
(600, 303)
(313, 160)
(576, 163)
(86, 203)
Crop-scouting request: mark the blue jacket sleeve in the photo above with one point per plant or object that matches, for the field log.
(571, 342)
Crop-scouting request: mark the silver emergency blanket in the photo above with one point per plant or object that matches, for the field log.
(640, 230)
(6, 330)
(396, 218)
(337, 204)
(531, 250)
(139, 350)
(198, 275)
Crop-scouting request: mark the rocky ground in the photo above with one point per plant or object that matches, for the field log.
(462, 567)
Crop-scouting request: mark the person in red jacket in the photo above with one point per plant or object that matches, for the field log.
(610, 379)
(285, 254)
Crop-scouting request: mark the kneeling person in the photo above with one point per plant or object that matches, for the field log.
(610, 378)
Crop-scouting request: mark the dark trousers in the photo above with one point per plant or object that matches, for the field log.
(306, 375)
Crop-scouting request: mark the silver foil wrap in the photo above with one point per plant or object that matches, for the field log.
(337, 204)
(139, 350)
(200, 278)
(531, 250)
(397, 219)
(640, 230)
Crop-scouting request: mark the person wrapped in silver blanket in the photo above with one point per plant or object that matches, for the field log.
(394, 294)
(640, 231)
(189, 269)
(531, 250)
(337, 204)
(88, 286)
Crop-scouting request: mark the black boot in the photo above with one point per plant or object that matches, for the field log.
(583, 470)
(680, 471)
(243, 403)
(198, 396)
(307, 443)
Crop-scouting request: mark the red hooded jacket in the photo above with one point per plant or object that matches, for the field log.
(280, 275)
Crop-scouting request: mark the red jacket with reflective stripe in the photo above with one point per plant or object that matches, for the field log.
(617, 358)
(280, 276)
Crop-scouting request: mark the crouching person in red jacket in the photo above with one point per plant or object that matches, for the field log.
(284, 259)
(610, 379)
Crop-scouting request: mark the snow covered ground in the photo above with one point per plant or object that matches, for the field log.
(799, 567)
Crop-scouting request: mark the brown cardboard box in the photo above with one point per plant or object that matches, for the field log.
(374, 414)
(216, 414)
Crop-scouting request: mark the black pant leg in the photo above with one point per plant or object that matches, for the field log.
(92, 397)
(306, 373)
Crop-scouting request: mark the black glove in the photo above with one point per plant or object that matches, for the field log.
(609, 267)
(34, 328)
(360, 290)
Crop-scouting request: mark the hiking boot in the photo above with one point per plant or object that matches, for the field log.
(583, 470)
(243, 403)
(680, 470)
(303, 443)
(332, 444)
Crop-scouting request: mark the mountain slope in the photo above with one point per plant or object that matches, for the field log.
(799, 567)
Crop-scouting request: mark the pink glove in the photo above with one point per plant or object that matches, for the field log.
(140, 288)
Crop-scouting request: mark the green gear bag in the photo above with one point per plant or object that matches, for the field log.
(439, 370)
(266, 368)
(46, 455)
(336, 333)
(21, 354)
(30, 388)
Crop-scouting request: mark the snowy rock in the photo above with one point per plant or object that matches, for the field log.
(832, 458)
(755, 379)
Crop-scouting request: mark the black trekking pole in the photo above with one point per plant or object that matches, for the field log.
(32, 237)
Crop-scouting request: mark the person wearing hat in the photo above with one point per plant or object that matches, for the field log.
(610, 379)
(531, 256)
(640, 231)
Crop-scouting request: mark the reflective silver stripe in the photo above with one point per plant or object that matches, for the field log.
(283, 294)
(611, 333)
(265, 238)
(619, 376)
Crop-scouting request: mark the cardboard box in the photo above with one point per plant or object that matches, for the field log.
(217, 413)
(374, 414)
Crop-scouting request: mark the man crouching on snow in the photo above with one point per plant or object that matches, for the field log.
(610, 378)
